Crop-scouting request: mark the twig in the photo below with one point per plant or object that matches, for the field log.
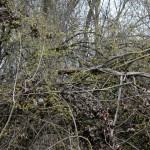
(125, 120)
(128, 143)
(132, 136)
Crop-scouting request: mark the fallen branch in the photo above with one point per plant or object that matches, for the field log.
(104, 70)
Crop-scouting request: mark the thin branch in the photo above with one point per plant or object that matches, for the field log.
(117, 109)
(118, 102)
(74, 122)
(127, 54)
(132, 136)
(68, 138)
(14, 90)
(129, 144)
(81, 91)
(132, 61)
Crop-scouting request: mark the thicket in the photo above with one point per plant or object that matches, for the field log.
(72, 89)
